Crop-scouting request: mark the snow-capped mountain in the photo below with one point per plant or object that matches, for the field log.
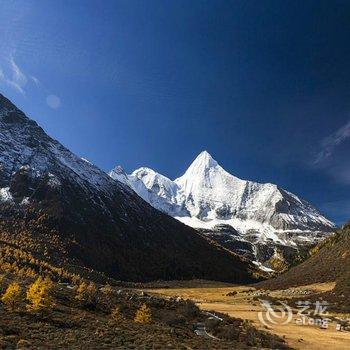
(154, 188)
(207, 196)
(211, 193)
(62, 208)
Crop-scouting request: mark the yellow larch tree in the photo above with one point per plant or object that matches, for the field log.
(12, 296)
(86, 293)
(39, 295)
(143, 315)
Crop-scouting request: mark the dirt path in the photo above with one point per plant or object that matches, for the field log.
(241, 304)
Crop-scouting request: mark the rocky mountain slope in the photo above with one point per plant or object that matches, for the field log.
(253, 219)
(329, 262)
(61, 208)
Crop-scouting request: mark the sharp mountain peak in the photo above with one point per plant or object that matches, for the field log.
(204, 160)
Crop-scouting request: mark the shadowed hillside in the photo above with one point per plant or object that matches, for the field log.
(65, 211)
(329, 262)
(86, 315)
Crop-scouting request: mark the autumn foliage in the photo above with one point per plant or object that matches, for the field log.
(12, 296)
(86, 293)
(143, 315)
(39, 296)
(116, 315)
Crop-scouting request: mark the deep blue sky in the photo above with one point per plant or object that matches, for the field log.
(264, 86)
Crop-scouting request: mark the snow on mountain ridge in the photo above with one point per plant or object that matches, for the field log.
(156, 182)
(162, 192)
(207, 194)
(134, 183)
(120, 175)
(213, 193)
(76, 215)
(25, 146)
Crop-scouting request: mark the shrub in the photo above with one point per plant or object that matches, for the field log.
(116, 315)
(107, 290)
(108, 298)
(212, 324)
(172, 319)
(87, 293)
(39, 295)
(12, 297)
(2, 279)
(231, 294)
(143, 315)
(229, 332)
(189, 309)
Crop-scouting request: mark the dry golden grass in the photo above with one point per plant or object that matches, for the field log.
(242, 305)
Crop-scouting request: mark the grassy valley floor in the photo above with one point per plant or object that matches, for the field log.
(243, 302)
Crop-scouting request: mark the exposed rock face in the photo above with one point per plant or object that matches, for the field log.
(63, 208)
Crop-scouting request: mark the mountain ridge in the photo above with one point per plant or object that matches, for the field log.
(199, 175)
(207, 196)
(62, 208)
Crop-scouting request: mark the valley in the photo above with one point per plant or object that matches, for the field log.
(65, 220)
(174, 175)
(88, 315)
(242, 302)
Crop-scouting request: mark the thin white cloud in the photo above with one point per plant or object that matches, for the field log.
(17, 75)
(35, 80)
(16, 78)
(329, 143)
